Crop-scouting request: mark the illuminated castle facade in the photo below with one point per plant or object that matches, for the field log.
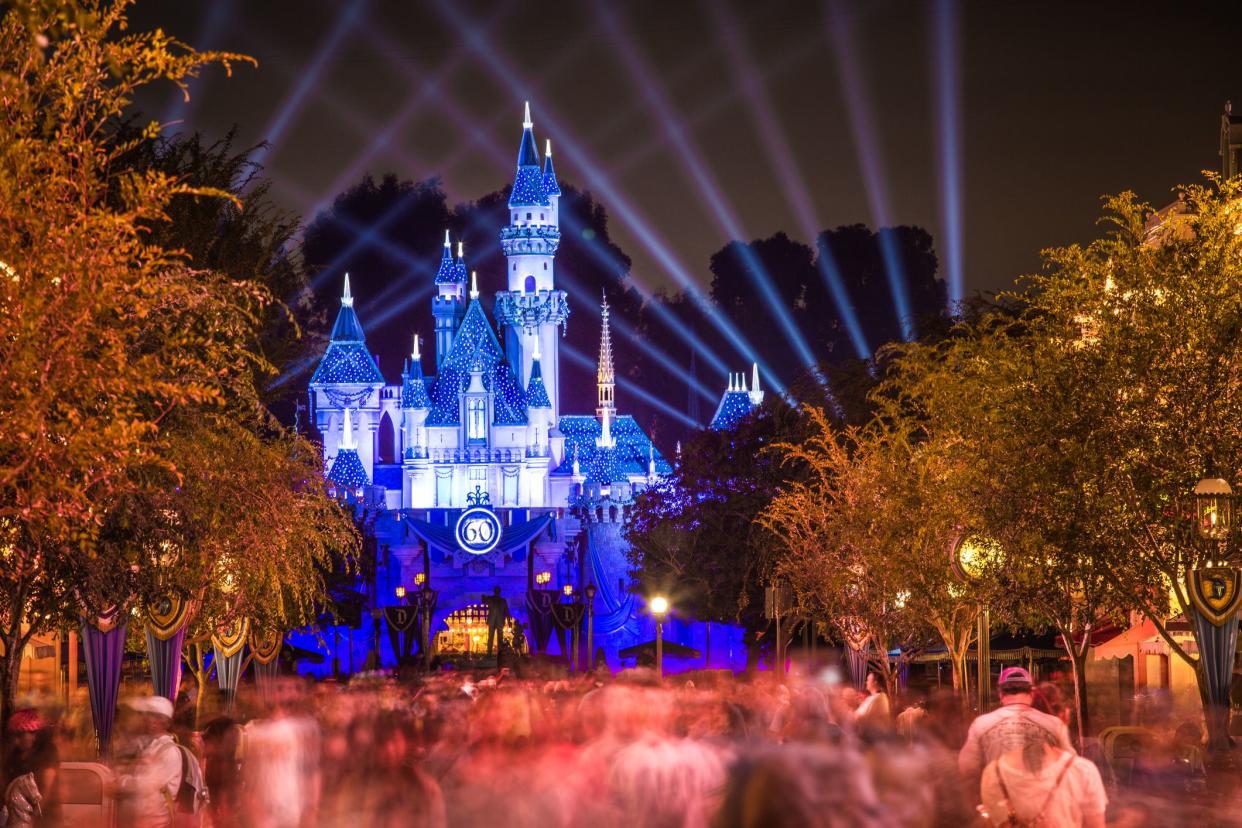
(477, 448)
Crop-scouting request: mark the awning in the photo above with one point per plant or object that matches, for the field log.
(512, 538)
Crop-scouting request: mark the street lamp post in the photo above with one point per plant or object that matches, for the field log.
(1214, 595)
(659, 608)
(568, 590)
(589, 591)
(971, 556)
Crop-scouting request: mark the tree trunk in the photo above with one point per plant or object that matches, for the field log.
(10, 672)
(1078, 663)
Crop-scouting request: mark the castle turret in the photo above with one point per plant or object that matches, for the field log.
(448, 306)
(347, 377)
(539, 411)
(532, 308)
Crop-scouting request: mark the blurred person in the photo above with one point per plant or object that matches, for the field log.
(789, 788)
(1038, 783)
(221, 739)
(28, 774)
(660, 782)
(874, 710)
(150, 766)
(1015, 724)
(280, 766)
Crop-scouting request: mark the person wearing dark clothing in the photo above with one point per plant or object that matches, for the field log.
(29, 770)
(497, 615)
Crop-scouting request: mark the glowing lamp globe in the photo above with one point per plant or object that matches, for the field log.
(568, 590)
(420, 578)
(973, 555)
(659, 606)
(1214, 508)
(400, 592)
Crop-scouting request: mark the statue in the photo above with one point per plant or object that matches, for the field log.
(497, 615)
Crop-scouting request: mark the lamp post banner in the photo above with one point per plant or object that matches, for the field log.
(401, 619)
(1216, 593)
(104, 653)
(164, 654)
(1217, 643)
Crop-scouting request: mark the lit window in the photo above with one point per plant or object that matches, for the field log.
(476, 418)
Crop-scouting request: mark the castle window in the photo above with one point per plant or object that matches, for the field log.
(528, 216)
(545, 265)
(476, 419)
(541, 216)
(530, 284)
(515, 267)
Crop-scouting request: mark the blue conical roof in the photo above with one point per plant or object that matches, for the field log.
(414, 387)
(476, 342)
(347, 471)
(550, 185)
(528, 182)
(447, 274)
(536, 392)
(347, 359)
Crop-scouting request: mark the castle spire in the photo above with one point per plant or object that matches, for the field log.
(550, 185)
(474, 284)
(756, 393)
(347, 298)
(417, 356)
(528, 182)
(447, 274)
(527, 123)
(605, 376)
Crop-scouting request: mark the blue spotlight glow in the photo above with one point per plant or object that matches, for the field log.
(601, 183)
(781, 157)
(217, 13)
(709, 191)
(866, 144)
(308, 78)
(949, 122)
(579, 358)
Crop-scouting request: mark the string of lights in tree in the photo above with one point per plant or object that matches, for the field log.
(475, 341)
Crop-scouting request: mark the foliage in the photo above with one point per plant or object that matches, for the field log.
(694, 536)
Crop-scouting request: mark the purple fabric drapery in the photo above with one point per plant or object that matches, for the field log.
(165, 658)
(104, 654)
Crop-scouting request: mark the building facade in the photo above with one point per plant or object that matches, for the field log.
(467, 474)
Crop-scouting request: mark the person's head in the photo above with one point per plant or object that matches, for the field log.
(1015, 684)
(153, 714)
(877, 683)
(24, 727)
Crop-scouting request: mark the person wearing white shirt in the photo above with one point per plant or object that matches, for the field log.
(149, 776)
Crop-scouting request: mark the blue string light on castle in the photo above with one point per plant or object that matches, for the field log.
(484, 424)
(737, 402)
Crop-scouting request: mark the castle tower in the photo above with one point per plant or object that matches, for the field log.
(347, 378)
(532, 308)
(448, 306)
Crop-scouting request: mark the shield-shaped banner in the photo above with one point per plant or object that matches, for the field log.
(166, 615)
(265, 646)
(230, 637)
(401, 618)
(1215, 592)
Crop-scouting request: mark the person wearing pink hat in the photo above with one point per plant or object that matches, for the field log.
(28, 775)
(1012, 725)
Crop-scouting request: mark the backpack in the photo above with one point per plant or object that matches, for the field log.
(192, 795)
(1014, 821)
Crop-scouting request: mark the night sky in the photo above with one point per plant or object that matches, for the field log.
(1059, 103)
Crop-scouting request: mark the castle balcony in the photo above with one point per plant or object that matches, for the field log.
(537, 240)
(531, 310)
(477, 455)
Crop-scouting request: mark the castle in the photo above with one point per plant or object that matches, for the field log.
(469, 477)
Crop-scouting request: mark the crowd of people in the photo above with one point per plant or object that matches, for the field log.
(705, 749)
